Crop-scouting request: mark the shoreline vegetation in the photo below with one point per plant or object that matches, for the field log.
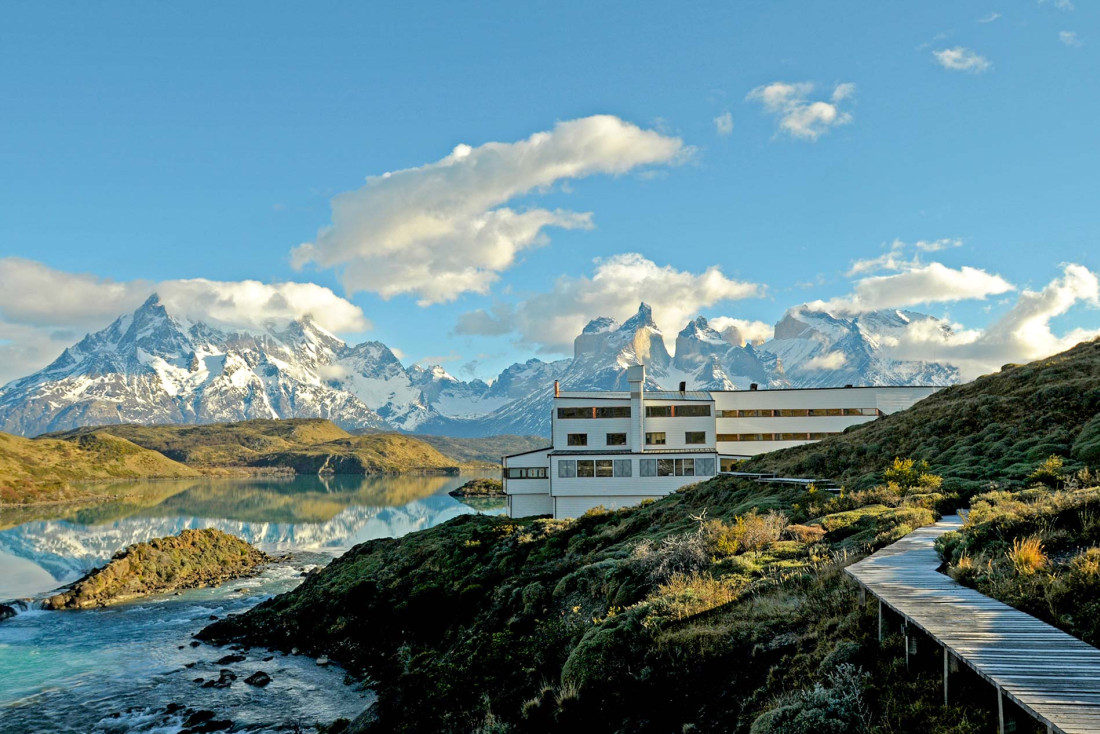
(192, 559)
(723, 607)
(59, 468)
(480, 487)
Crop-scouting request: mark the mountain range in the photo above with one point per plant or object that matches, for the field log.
(152, 366)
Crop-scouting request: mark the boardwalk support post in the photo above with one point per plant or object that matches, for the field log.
(1000, 711)
(946, 672)
(862, 596)
(881, 622)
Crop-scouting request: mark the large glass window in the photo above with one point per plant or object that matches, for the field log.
(616, 439)
(574, 412)
(695, 437)
(692, 411)
(567, 469)
(655, 438)
(647, 467)
(586, 468)
(577, 439)
(622, 467)
(731, 464)
(704, 467)
(658, 411)
(666, 467)
(615, 411)
(685, 467)
(605, 468)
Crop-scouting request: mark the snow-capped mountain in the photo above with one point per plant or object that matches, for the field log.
(153, 367)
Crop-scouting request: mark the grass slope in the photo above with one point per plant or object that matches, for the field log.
(44, 470)
(488, 450)
(304, 445)
(995, 429)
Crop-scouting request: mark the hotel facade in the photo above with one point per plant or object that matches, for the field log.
(615, 449)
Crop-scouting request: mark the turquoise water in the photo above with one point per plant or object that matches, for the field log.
(120, 669)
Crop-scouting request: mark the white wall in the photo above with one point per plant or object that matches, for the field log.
(526, 505)
(577, 506)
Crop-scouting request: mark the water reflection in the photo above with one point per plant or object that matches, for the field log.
(326, 514)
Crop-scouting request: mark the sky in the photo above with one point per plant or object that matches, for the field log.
(470, 184)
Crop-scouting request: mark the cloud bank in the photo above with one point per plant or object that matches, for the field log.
(551, 320)
(443, 229)
(962, 59)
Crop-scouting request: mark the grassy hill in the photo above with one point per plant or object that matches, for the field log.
(488, 449)
(995, 429)
(45, 469)
(302, 445)
(720, 608)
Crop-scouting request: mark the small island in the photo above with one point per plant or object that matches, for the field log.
(192, 559)
(480, 487)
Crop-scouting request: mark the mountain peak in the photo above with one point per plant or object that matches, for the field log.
(644, 317)
(600, 325)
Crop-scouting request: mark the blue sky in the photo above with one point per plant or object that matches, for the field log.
(142, 144)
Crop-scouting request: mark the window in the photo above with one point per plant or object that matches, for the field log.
(655, 438)
(574, 413)
(658, 411)
(727, 437)
(704, 467)
(727, 413)
(666, 467)
(695, 437)
(616, 439)
(532, 472)
(618, 411)
(604, 468)
(871, 411)
(730, 464)
(647, 467)
(819, 436)
(622, 467)
(792, 436)
(793, 412)
(692, 411)
(586, 468)
(567, 469)
(577, 439)
(685, 467)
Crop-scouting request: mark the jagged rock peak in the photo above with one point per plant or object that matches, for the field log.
(643, 318)
(600, 325)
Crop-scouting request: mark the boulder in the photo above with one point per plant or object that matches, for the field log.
(258, 679)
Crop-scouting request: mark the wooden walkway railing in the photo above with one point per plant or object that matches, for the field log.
(1051, 675)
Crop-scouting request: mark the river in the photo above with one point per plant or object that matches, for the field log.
(128, 668)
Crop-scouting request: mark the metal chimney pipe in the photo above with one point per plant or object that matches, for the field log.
(557, 389)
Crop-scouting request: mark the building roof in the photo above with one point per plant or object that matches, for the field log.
(627, 452)
(524, 453)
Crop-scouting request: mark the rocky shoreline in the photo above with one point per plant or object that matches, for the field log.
(480, 487)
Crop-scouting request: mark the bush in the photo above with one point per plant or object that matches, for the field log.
(1050, 473)
(907, 475)
(836, 708)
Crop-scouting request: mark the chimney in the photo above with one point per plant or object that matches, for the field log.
(754, 386)
(635, 377)
(847, 386)
(683, 387)
(557, 389)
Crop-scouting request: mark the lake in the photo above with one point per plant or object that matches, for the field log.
(120, 669)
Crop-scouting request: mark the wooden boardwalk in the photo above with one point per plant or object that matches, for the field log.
(1051, 675)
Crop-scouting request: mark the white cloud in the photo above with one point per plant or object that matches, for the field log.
(917, 284)
(724, 123)
(962, 59)
(827, 361)
(1069, 38)
(894, 257)
(800, 117)
(1023, 334)
(551, 320)
(1060, 4)
(741, 331)
(443, 229)
(989, 18)
(44, 310)
(944, 243)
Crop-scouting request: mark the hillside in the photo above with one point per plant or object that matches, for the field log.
(722, 607)
(44, 470)
(301, 445)
(488, 450)
(995, 429)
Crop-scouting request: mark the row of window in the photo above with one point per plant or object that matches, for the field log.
(623, 411)
(601, 468)
(796, 412)
(526, 472)
(618, 411)
(817, 436)
(652, 438)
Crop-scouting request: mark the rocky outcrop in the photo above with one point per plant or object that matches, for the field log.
(191, 559)
(480, 487)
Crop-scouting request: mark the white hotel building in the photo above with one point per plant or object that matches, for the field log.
(618, 448)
